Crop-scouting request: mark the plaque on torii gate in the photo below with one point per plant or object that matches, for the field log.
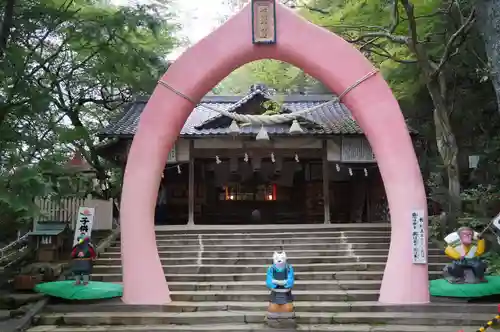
(264, 21)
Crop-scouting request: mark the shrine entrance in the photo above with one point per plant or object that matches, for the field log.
(277, 33)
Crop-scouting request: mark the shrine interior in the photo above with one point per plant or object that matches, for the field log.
(293, 195)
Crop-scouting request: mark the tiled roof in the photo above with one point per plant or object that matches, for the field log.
(331, 119)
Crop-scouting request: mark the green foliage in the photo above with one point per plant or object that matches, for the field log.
(277, 75)
(68, 67)
(492, 258)
(352, 19)
(481, 201)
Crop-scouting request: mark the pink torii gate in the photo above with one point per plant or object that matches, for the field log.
(321, 54)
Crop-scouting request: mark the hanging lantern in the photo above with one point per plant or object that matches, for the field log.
(366, 172)
(337, 167)
(234, 129)
(245, 159)
(295, 128)
(297, 158)
(262, 135)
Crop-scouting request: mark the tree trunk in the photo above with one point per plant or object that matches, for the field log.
(448, 149)
(6, 28)
(488, 14)
(445, 139)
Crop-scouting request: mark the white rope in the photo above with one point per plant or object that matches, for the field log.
(275, 118)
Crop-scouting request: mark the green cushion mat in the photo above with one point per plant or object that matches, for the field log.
(441, 287)
(69, 291)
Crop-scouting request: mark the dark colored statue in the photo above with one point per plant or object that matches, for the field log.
(83, 256)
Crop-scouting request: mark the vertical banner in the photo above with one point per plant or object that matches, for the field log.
(84, 223)
(419, 250)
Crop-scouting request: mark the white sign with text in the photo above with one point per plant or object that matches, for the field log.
(84, 223)
(418, 237)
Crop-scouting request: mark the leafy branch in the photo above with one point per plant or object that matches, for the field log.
(371, 38)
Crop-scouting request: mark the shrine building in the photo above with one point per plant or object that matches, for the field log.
(317, 169)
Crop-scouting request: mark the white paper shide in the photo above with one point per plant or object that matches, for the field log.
(84, 223)
(418, 237)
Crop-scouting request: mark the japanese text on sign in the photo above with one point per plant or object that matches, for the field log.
(418, 237)
(263, 22)
(84, 223)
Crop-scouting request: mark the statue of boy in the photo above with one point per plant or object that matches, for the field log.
(465, 247)
(280, 279)
(83, 256)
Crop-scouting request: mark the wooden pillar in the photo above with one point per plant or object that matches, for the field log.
(191, 192)
(326, 184)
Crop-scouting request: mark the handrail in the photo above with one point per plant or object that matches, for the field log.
(12, 245)
(5, 260)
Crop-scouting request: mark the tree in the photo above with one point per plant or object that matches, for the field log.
(488, 12)
(68, 67)
(410, 35)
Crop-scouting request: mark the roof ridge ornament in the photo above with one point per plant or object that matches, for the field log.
(258, 87)
(280, 118)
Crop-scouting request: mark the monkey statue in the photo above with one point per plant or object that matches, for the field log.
(465, 247)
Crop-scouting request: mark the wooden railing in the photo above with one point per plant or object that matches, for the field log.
(10, 252)
(66, 210)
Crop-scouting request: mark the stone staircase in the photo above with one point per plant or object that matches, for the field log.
(217, 280)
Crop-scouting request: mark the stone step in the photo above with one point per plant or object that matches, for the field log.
(263, 295)
(252, 328)
(311, 285)
(266, 260)
(209, 269)
(115, 305)
(306, 275)
(274, 241)
(301, 234)
(263, 253)
(269, 228)
(270, 248)
(257, 317)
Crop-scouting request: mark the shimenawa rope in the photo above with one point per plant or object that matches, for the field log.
(270, 119)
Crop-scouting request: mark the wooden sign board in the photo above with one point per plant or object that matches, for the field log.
(264, 21)
(356, 149)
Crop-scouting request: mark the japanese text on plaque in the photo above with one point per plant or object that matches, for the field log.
(418, 238)
(263, 22)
